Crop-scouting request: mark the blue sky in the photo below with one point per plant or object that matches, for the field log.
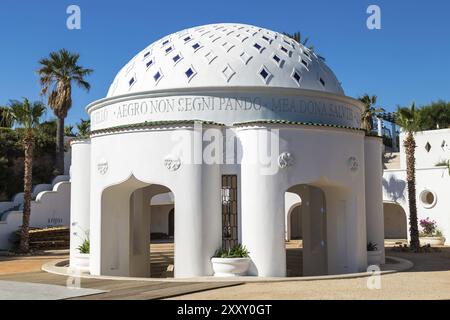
(407, 60)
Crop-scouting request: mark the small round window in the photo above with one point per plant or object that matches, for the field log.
(428, 199)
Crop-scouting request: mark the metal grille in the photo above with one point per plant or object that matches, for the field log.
(229, 211)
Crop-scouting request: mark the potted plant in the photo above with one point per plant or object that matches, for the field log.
(232, 262)
(373, 254)
(81, 259)
(430, 235)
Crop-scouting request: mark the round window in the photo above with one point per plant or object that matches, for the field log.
(428, 199)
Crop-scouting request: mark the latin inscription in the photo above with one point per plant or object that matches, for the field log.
(294, 106)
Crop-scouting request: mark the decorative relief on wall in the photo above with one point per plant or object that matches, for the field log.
(172, 163)
(285, 160)
(353, 164)
(102, 166)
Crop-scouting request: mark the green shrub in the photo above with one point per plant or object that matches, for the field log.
(84, 247)
(238, 251)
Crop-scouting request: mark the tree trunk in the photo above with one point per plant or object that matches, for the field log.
(59, 163)
(27, 181)
(410, 146)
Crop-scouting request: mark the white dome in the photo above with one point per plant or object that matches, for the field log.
(221, 55)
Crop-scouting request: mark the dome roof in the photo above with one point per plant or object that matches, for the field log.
(221, 55)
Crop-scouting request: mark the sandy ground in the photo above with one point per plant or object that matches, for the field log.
(22, 264)
(429, 279)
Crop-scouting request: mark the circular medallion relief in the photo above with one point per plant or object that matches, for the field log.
(285, 160)
(172, 163)
(102, 166)
(353, 164)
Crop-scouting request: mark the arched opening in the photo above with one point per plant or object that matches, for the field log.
(129, 217)
(395, 222)
(171, 223)
(306, 249)
(296, 223)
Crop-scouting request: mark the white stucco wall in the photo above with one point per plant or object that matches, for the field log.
(434, 179)
(439, 141)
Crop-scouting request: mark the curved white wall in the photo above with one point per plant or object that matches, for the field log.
(374, 192)
(80, 195)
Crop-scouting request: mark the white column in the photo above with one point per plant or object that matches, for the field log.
(198, 217)
(380, 127)
(263, 219)
(374, 192)
(80, 198)
(394, 136)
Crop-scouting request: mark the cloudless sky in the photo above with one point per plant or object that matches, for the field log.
(407, 60)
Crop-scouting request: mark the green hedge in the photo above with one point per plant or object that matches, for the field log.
(11, 159)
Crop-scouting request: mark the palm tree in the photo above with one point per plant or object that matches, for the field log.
(297, 36)
(4, 122)
(84, 129)
(26, 115)
(57, 74)
(369, 111)
(68, 131)
(409, 119)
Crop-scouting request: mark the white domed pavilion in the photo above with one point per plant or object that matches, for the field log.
(225, 134)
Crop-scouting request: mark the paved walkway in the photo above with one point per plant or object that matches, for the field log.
(429, 279)
(110, 289)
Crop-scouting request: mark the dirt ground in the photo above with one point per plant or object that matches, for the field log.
(22, 264)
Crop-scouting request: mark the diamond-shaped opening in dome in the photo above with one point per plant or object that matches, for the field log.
(196, 46)
(228, 72)
(227, 46)
(277, 59)
(265, 74)
(258, 47)
(132, 81)
(210, 56)
(322, 82)
(177, 58)
(147, 54)
(245, 57)
(285, 50)
(157, 76)
(165, 42)
(428, 147)
(304, 62)
(443, 144)
(187, 39)
(267, 39)
(150, 63)
(190, 73)
(168, 50)
(296, 76)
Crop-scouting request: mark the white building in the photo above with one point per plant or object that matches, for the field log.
(432, 185)
(240, 129)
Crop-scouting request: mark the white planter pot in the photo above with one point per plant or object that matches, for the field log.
(81, 262)
(374, 258)
(432, 241)
(230, 267)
